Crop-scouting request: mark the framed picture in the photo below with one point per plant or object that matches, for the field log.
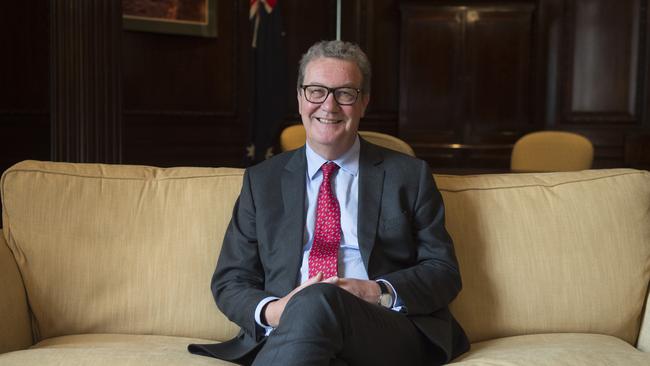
(187, 17)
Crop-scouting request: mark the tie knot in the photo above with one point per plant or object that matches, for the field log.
(328, 168)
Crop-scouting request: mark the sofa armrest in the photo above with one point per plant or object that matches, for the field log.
(643, 342)
(15, 324)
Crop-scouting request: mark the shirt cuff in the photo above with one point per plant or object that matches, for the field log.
(398, 305)
(258, 314)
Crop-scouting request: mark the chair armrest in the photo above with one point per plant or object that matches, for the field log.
(15, 324)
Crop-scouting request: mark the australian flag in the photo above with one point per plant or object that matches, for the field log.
(268, 91)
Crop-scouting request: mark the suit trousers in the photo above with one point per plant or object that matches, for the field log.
(326, 325)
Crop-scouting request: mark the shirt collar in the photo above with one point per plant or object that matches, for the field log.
(349, 161)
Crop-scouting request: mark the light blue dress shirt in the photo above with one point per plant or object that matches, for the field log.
(346, 188)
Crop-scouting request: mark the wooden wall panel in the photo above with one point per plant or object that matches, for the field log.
(174, 139)
(431, 75)
(183, 73)
(24, 82)
(602, 61)
(86, 91)
(25, 136)
(500, 53)
(602, 79)
(467, 82)
(637, 150)
(185, 97)
(194, 92)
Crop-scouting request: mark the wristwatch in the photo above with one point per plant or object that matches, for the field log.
(385, 298)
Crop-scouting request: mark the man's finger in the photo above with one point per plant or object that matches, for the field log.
(315, 279)
(309, 282)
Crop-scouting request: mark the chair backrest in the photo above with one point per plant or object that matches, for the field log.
(294, 136)
(551, 151)
(387, 141)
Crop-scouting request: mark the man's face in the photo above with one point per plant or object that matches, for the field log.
(332, 128)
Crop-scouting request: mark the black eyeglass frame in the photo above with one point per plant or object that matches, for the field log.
(331, 91)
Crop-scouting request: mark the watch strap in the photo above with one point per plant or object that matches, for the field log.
(383, 287)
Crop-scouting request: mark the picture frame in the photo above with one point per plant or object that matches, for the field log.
(183, 17)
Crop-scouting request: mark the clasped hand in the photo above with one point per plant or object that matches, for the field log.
(364, 289)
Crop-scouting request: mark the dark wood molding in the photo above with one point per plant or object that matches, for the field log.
(621, 116)
(85, 80)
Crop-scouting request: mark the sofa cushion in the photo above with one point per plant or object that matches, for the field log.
(119, 249)
(553, 252)
(110, 350)
(568, 349)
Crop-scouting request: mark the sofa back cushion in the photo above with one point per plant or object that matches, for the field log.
(552, 252)
(119, 249)
(129, 249)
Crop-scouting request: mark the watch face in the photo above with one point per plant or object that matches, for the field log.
(386, 300)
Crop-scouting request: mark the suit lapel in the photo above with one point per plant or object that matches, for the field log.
(371, 185)
(293, 198)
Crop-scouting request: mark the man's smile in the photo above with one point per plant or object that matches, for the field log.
(328, 121)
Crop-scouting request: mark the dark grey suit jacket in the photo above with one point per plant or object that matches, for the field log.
(401, 236)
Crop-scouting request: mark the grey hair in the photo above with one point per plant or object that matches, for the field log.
(337, 49)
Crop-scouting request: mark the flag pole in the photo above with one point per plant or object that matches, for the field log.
(338, 20)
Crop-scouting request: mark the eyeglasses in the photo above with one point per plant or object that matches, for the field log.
(318, 94)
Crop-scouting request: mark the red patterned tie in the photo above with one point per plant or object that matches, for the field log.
(327, 233)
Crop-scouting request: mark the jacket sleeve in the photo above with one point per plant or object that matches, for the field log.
(433, 280)
(238, 280)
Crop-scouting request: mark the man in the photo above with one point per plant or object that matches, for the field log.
(336, 253)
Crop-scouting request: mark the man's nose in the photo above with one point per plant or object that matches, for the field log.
(330, 104)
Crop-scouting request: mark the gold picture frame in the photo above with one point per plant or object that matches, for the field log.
(185, 17)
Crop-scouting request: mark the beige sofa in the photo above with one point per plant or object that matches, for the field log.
(110, 265)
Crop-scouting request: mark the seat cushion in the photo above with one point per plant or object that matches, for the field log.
(570, 349)
(110, 350)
